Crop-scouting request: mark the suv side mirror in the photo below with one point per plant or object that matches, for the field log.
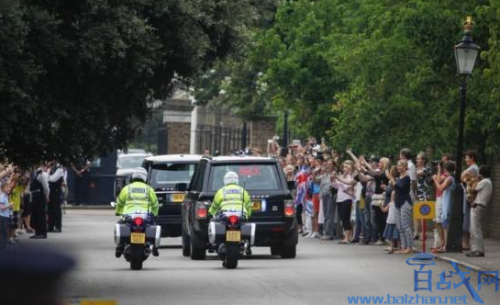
(291, 185)
(181, 187)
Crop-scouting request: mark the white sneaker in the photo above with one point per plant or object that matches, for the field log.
(310, 235)
(314, 235)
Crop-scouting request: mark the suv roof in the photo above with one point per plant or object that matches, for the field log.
(173, 158)
(237, 159)
(123, 155)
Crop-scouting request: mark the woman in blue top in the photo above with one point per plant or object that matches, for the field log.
(447, 187)
(404, 207)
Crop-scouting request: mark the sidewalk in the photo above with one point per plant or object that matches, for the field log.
(491, 261)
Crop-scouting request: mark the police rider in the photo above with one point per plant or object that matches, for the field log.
(137, 197)
(231, 197)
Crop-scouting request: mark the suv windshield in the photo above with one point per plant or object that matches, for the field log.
(130, 162)
(253, 177)
(168, 174)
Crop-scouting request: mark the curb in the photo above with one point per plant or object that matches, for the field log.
(464, 264)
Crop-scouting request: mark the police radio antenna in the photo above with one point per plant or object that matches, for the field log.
(243, 196)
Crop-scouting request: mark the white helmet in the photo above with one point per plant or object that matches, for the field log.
(231, 177)
(140, 173)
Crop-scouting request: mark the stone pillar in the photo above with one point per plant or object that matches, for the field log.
(491, 227)
(177, 120)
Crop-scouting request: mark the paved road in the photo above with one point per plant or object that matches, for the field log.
(322, 273)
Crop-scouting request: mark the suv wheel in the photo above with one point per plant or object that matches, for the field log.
(288, 252)
(186, 244)
(275, 250)
(197, 253)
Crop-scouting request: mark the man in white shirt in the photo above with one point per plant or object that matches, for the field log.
(472, 172)
(56, 181)
(40, 192)
(478, 209)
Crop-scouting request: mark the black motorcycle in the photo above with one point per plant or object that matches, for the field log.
(138, 237)
(231, 236)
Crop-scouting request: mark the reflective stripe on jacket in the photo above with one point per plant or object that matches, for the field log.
(231, 197)
(137, 197)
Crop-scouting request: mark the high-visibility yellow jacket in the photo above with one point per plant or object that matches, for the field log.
(231, 197)
(137, 197)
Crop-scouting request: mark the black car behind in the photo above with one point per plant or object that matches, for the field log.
(169, 176)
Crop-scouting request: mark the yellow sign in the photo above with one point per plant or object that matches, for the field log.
(424, 210)
(138, 238)
(233, 236)
(257, 206)
(178, 197)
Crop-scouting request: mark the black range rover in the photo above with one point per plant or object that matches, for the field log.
(169, 176)
(273, 211)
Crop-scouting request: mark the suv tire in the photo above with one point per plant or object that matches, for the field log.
(275, 250)
(186, 244)
(288, 252)
(197, 252)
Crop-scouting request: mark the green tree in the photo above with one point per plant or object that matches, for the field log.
(77, 77)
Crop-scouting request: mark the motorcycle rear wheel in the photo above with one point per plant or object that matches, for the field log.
(136, 258)
(232, 255)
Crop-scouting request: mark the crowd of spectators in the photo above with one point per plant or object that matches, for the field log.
(364, 200)
(31, 201)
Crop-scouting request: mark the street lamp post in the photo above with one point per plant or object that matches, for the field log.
(465, 56)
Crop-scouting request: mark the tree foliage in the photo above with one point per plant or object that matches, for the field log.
(77, 77)
(377, 75)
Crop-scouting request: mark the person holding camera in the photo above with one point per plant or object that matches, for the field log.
(446, 187)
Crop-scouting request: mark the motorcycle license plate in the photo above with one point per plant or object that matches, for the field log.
(178, 197)
(257, 206)
(138, 238)
(233, 236)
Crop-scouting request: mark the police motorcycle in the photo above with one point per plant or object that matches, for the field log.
(231, 236)
(139, 236)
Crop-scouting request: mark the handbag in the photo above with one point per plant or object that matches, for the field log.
(378, 200)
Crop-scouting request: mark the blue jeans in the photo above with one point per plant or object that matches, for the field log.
(329, 212)
(360, 222)
(370, 228)
(4, 228)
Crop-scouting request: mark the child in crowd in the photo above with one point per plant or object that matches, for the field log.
(18, 186)
(5, 211)
(391, 232)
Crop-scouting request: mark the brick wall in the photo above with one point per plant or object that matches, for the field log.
(492, 221)
(178, 138)
(260, 132)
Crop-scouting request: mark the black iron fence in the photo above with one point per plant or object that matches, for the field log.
(223, 139)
